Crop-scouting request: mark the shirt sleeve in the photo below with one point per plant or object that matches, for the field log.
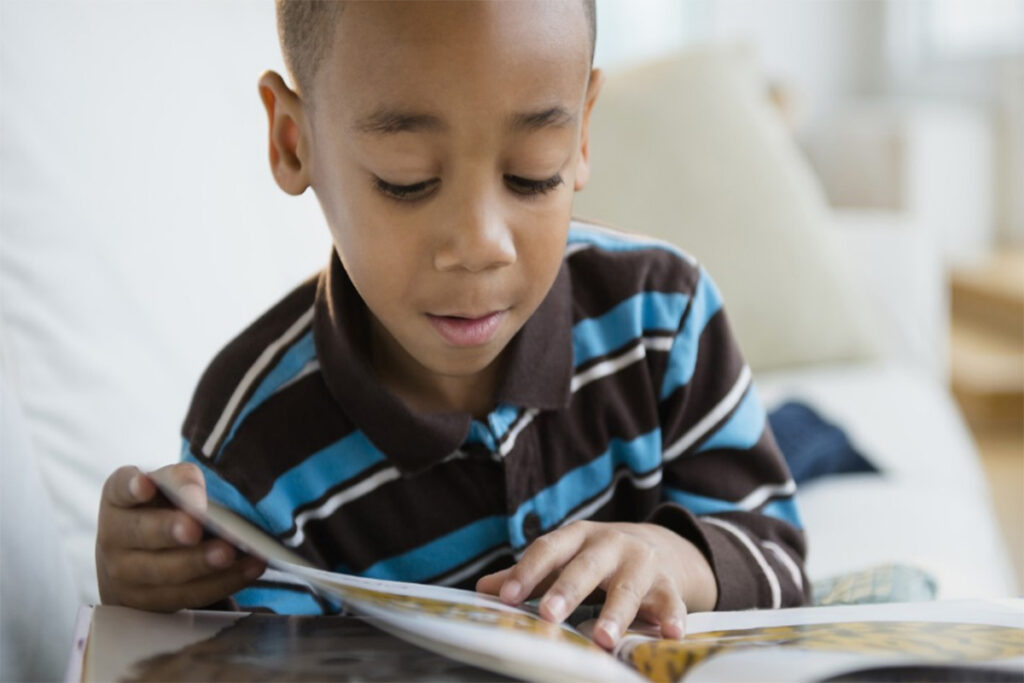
(274, 591)
(725, 486)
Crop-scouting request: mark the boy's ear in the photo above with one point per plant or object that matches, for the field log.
(583, 163)
(289, 145)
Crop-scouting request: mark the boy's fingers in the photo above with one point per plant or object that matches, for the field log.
(128, 487)
(171, 567)
(578, 579)
(149, 528)
(197, 593)
(625, 593)
(188, 482)
(492, 583)
(545, 555)
(664, 606)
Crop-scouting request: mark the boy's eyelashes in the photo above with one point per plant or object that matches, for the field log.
(421, 190)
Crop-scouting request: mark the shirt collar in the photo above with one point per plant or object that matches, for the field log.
(537, 371)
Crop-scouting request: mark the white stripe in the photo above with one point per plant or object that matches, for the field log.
(250, 376)
(764, 492)
(659, 343)
(337, 500)
(307, 369)
(471, 569)
(608, 367)
(510, 440)
(786, 561)
(723, 408)
(773, 580)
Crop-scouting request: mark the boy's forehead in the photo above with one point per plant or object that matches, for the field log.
(396, 54)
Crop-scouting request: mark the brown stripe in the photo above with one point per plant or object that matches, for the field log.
(719, 364)
(224, 373)
(729, 474)
(603, 279)
(280, 433)
(408, 512)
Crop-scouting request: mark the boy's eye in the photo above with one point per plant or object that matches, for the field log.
(420, 190)
(525, 186)
(408, 193)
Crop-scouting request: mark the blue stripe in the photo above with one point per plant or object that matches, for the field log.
(293, 360)
(498, 423)
(313, 477)
(280, 600)
(479, 433)
(784, 509)
(443, 553)
(683, 357)
(611, 242)
(553, 504)
(629, 320)
(743, 429)
(501, 418)
(219, 490)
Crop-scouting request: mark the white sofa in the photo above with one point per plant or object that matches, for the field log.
(141, 230)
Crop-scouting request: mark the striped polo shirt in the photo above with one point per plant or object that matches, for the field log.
(624, 398)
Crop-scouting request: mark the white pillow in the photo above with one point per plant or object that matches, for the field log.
(141, 228)
(688, 150)
(37, 593)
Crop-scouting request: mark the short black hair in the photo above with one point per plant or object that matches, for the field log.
(306, 31)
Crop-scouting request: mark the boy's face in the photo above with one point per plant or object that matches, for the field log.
(444, 142)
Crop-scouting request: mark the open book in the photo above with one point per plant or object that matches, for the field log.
(967, 640)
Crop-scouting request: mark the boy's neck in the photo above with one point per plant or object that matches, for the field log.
(426, 392)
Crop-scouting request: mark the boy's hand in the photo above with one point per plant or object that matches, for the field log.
(644, 570)
(152, 556)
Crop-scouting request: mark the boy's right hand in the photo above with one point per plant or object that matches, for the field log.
(151, 555)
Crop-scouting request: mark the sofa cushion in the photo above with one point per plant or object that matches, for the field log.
(687, 149)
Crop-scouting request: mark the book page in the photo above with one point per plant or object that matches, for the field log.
(976, 640)
(475, 628)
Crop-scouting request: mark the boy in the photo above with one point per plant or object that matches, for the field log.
(471, 393)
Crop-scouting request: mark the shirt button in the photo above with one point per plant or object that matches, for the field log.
(531, 526)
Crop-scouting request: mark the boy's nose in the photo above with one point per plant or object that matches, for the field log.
(478, 240)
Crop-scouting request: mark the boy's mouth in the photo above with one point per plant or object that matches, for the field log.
(467, 330)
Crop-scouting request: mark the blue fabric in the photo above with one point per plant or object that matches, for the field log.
(813, 447)
(682, 360)
(644, 312)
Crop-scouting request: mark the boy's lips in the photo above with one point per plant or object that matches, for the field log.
(467, 330)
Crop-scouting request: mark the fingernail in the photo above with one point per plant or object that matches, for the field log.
(135, 487)
(610, 628)
(511, 590)
(218, 556)
(193, 496)
(556, 607)
(673, 628)
(180, 532)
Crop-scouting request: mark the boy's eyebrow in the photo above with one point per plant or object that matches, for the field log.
(390, 121)
(556, 116)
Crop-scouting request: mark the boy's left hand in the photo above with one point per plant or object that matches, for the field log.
(644, 570)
